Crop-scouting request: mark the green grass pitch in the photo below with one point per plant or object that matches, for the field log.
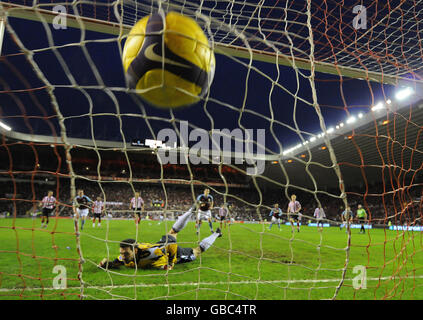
(248, 262)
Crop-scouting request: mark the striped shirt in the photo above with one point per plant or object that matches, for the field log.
(136, 203)
(48, 202)
(98, 206)
(294, 206)
(319, 213)
(223, 212)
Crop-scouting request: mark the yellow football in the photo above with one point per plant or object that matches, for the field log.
(168, 59)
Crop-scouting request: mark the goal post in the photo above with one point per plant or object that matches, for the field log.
(117, 29)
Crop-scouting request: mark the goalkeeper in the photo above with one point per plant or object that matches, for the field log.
(163, 254)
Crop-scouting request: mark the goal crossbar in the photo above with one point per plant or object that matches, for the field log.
(96, 25)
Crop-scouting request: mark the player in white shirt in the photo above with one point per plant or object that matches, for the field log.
(137, 205)
(48, 205)
(319, 214)
(98, 210)
(224, 214)
(294, 214)
(161, 218)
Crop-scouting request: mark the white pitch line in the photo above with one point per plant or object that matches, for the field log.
(142, 285)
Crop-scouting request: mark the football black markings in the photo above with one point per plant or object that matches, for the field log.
(150, 57)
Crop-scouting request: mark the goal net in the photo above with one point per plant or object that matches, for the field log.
(317, 99)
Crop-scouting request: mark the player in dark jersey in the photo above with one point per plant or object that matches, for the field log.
(163, 254)
(276, 214)
(204, 204)
(347, 217)
(81, 207)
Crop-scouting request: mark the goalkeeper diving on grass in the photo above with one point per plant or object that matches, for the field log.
(163, 254)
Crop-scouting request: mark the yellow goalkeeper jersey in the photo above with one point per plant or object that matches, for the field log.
(157, 256)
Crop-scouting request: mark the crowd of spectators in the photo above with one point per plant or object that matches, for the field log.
(20, 193)
(250, 204)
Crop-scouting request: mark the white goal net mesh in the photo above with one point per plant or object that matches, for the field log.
(335, 89)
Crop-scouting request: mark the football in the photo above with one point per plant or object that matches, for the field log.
(168, 60)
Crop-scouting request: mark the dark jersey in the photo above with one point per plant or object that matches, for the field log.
(277, 213)
(82, 202)
(205, 202)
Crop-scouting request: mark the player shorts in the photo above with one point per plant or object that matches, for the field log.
(82, 212)
(361, 220)
(295, 217)
(204, 215)
(185, 255)
(221, 218)
(167, 239)
(276, 220)
(138, 212)
(46, 212)
(97, 215)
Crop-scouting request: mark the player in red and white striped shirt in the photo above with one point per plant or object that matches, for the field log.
(224, 214)
(48, 205)
(98, 209)
(294, 214)
(319, 214)
(137, 204)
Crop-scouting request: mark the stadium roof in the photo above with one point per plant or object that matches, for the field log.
(383, 146)
(389, 48)
(384, 143)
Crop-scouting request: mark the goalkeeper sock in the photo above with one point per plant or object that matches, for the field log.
(208, 242)
(182, 221)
